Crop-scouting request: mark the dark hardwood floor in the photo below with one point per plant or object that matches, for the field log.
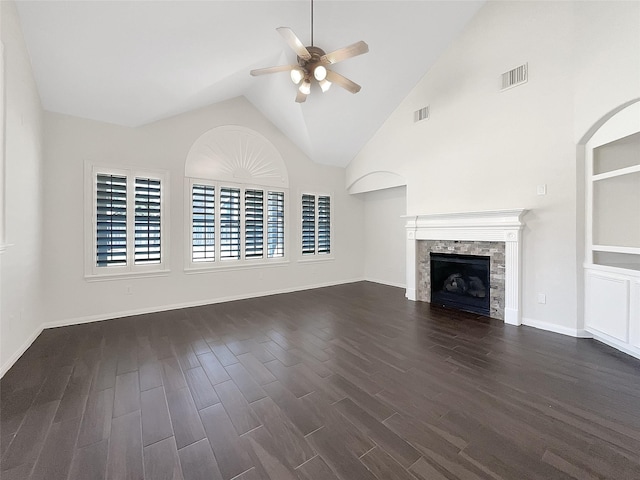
(351, 382)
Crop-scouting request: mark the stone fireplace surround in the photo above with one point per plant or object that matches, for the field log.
(498, 231)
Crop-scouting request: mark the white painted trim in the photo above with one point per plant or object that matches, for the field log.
(385, 282)
(18, 353)
(485, 226)
(617, 344)
(552, 327)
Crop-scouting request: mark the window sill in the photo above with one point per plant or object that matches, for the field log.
(316, 259)
(105, 277)
(225, 267)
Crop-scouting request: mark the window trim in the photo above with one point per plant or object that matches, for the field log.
(220, 264)
(91, 270)
(316, 257)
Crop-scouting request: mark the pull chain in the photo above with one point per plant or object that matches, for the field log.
(312, 23)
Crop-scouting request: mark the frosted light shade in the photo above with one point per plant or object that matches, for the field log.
(320, 73)
(297, 75)
(325, 85)
(305, 87)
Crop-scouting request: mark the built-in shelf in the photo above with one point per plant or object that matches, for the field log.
(612, 253)
(616, 249)
(616, 173)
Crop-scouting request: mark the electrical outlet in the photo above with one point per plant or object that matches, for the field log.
(542, 189)
(542, 298)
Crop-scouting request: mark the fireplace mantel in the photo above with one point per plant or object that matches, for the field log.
(492, 226)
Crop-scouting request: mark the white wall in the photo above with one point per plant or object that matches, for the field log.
(71, 141)
(21, 260)
(482, 149)
(384, 238)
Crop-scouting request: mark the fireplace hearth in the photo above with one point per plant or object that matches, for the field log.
(461, 282)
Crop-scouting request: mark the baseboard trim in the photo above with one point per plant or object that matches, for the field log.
(23, 348)
(618, 345)
(552, 327)
(162, 308)
(385, 282)
(196, 303)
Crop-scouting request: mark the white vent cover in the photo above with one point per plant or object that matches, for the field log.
(421, 114)
(515, 77)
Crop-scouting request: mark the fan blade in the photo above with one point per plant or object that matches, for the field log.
(341, 54)
(300, 97)
(279, 68)
(344, 82)
(294, 42)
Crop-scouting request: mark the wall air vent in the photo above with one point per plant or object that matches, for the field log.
(421, 114)
(515, 77)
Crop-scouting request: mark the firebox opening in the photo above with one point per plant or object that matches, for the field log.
(461, 282)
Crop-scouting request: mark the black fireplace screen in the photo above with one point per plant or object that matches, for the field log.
(461, 281)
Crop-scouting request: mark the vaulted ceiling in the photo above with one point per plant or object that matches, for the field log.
(135, 62)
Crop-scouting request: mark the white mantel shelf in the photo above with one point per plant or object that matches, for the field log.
(486, 226)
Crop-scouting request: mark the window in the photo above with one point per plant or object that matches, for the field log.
(316, 224)
(127, 222)
(228, 225)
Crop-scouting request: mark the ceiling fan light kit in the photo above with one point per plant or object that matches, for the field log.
(312, 64)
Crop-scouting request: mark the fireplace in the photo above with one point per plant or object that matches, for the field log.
(461, 282)
(495, 234)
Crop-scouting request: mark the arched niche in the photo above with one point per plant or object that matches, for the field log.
(377, 180)
(237, 154)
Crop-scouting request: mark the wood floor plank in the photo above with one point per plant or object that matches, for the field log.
(213, 368)
(230, 451)
(203, 392)
(316, 469)
(55, 458)
(150, 373)
(256, 368)
(344, 462)
(161, 461)
(198, 462)
(124, 460)
(301, 416)
(245, 382)
(90, 462)
(340, 383)
(28, 441)
(384, 467)
(156, 423)
(223, 354)
(237, 407)
(187, 426)
(127, 394)
(288, 440)
(172, 376)
(96, 422)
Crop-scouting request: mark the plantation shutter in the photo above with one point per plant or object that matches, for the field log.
(111, 220)
(147, 221)
(229, 223)
(324, 224)
(275, 225)
(308, 224)
(253, 223)
(203, 223)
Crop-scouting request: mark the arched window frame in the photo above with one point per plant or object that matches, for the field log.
(237, 158)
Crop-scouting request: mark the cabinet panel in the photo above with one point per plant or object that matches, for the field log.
(607, 305)
(634, 317)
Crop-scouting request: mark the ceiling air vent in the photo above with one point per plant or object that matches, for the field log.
(421, 114)
(515, 77)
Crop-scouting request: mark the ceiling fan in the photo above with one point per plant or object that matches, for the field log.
(313, 62)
